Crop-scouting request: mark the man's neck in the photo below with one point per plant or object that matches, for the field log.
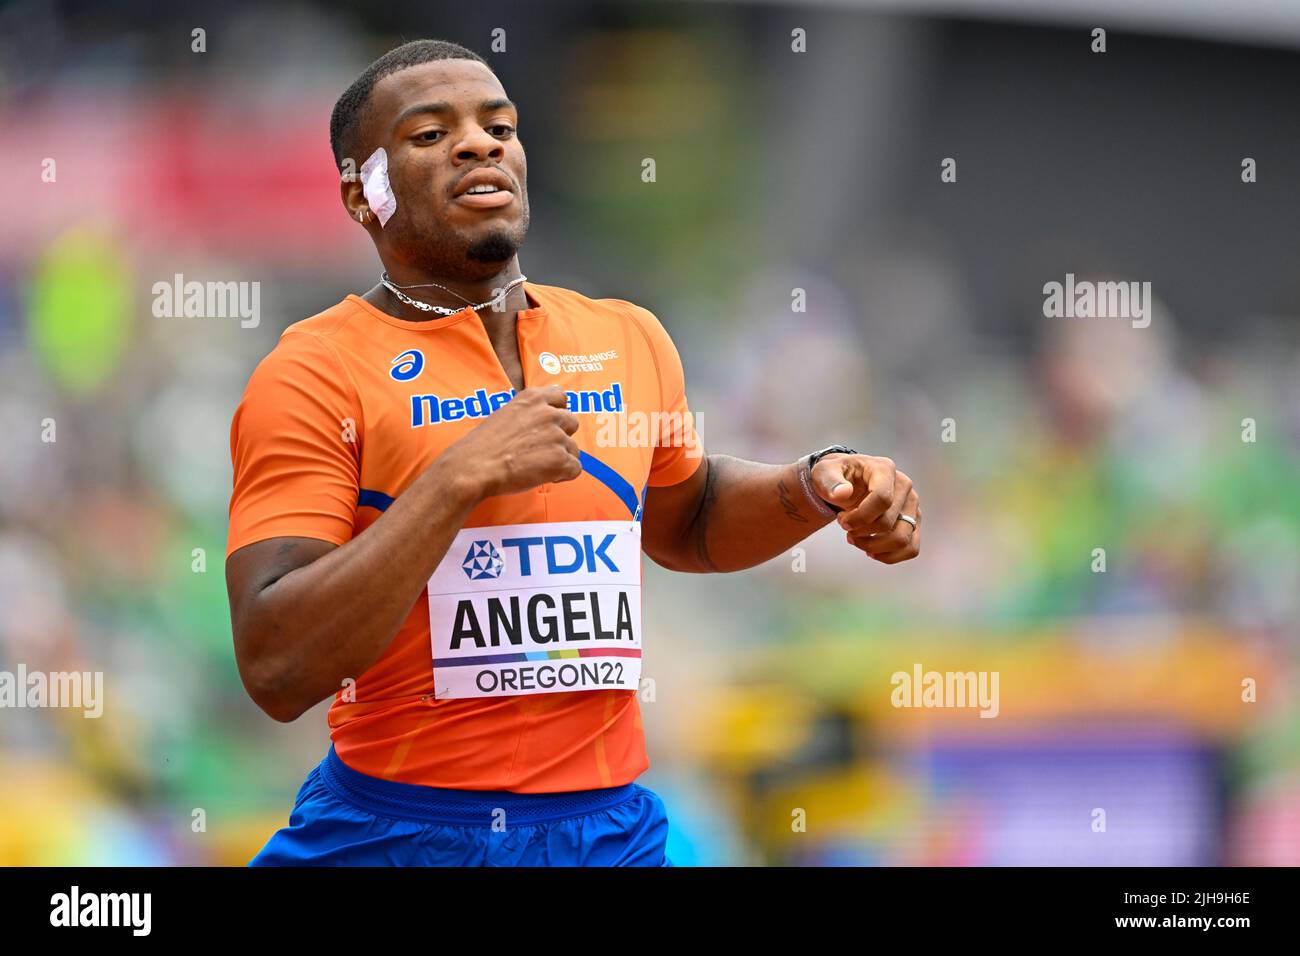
(463, 293)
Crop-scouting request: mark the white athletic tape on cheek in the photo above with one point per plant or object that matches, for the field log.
(374, 183)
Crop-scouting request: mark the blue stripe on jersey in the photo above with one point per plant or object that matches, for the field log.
(612, 480)
(607, 476)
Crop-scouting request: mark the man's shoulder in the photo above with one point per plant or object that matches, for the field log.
(596, 310)
(327, 323)
(320, 339)
(310, 345)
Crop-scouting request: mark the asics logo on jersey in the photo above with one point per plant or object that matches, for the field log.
(407, 365)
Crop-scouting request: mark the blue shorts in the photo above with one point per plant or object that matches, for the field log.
(345, 818)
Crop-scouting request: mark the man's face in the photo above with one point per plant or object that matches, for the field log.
(449, 130)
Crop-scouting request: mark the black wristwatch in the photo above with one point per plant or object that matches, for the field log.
(806, 474)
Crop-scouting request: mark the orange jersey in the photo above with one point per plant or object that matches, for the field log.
(517, 668)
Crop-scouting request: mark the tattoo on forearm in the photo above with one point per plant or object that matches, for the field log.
(787, 504)
(702, 519)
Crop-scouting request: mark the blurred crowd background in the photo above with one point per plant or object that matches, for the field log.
(772, 735)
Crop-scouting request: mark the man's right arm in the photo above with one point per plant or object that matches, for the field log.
(307, 614)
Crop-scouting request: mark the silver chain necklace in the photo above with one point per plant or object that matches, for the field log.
(443, 310)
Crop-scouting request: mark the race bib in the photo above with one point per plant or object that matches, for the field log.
(537, 609)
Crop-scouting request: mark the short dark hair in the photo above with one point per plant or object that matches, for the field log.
(347, 111)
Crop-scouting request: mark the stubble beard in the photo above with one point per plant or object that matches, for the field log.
(454, 256)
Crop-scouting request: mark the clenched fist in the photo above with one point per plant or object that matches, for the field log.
(525, 443)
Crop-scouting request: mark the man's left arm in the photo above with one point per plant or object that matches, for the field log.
(732, 514)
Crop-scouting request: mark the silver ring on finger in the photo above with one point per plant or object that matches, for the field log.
(909, 519)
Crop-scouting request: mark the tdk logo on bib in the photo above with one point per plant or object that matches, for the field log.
(482, 561)
(562, 554)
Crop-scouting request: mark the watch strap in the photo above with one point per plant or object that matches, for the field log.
(823, 506)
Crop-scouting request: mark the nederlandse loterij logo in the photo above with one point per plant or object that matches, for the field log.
(587, 362)
(482, 560)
